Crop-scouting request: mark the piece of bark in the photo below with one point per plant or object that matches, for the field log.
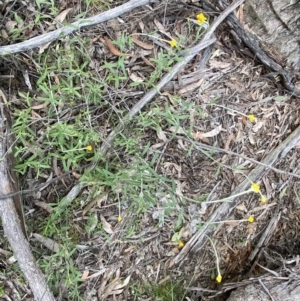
(276, 23)
(284, 289)
(11, 222)
(14, 182)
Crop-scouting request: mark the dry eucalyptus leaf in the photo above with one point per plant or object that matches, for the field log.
(39, 107)
(199, 136)
(99, 200)
(115, 287)
(141, 44)
(47, 242)
(10, 25)
(217, 64)
(251, 139)
(213, 132)
(147, 62)
(43, 47)
(177, 130)
(161, 28)
(161, 135)
(43, 205)
(242, 207)
(62, 16)
(107, 227)
(142, 26)
(85, 274)
(4, 34)
(122, 284)
(97, 274)
(113, 49)
(135, 78)
(257, 126)
(204, 136)
(191, 87)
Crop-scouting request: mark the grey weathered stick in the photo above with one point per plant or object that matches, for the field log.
(11, 221)
(223, 211)
(68, 29)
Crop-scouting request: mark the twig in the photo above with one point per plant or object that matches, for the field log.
(68, 29)
(266, 290)
(223, 211)
(265, 237)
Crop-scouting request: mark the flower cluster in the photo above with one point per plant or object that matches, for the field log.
(256, 188)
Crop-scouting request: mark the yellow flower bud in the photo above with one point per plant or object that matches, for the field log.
(180, 244)
(251, 219)
(255, 187)
(251, 118)
(263, 199)
(201, 18)
(173, 43)
(219, 278)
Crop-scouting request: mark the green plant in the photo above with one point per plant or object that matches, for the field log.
(61, 271)
(165, 291)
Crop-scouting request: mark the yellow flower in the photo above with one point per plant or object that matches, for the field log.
(188, 19)
(263, 199)
(119, 218)
(251, 118)
(89, 148)
(255, 187)
(180, 244)
(201, 18)
(219, 278)
(173, 43)
(251, 219)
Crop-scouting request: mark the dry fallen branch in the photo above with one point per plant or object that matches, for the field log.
(224, 210)
(11, 222)
(68, 29)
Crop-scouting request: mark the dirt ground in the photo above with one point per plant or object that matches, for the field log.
(219, 97)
